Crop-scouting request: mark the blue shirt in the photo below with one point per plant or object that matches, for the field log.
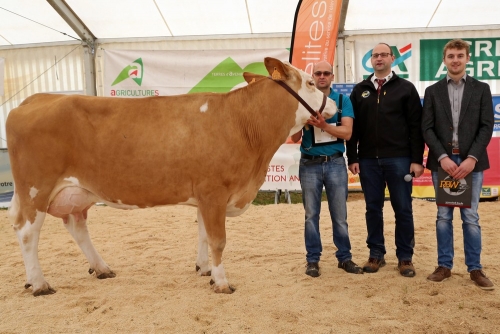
(307, 145)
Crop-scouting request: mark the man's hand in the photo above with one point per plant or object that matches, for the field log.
(318, 121)
(448, 165)
(418, 169)
(354, 168)
(464, 169)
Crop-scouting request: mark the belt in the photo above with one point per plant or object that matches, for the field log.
(455, 151)
(321, 158)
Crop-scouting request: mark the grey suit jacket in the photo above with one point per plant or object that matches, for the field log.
(475, 126)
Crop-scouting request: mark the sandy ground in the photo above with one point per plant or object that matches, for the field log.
(153, 253)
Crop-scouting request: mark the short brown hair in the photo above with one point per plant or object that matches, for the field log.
(458, 44)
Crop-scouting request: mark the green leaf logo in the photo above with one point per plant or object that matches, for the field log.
(226, 76)
(133, 71)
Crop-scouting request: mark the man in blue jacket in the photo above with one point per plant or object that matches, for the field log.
(386, 144)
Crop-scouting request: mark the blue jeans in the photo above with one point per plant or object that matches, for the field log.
(470, 226)
(374, 175)
(333, 176)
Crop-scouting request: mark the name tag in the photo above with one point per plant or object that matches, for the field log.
(321, 136)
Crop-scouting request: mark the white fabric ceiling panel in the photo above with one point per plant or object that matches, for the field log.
(201, 17)
(120, 19)
(111, 19)
(271, 16)
(15, 29)
(397, 14)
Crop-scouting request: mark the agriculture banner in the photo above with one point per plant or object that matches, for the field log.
(159, 73)
(314, 34)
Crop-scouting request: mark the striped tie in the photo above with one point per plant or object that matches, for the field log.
(380, 84)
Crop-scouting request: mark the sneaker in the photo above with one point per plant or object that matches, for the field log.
(350, 267)
(439, 275)
(373, 265)
(312, 269)
(406, 268)
(481, 280)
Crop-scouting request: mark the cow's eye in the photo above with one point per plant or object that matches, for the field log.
(311, 83)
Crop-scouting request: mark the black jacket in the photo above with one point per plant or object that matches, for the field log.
(388, 128)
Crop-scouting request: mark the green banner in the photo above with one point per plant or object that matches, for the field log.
(484, 61)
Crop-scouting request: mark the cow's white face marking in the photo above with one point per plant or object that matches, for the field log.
(33, 192)
(73, 180)
(204, 107)
(314, 98)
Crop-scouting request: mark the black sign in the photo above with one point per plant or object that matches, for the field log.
(451, 192)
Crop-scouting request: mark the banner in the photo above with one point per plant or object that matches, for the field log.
(314, 34)
(131, 73)
(2, 76)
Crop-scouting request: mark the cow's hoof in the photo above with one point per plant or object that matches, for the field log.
(201, 273)
(45, 290)
(106, 275)
(222, 289)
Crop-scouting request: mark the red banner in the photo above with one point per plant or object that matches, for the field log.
(314, 34)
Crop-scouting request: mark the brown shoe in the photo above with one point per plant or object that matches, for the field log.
(439, 275)
(373, 265)
(481, 280)
(406, 269)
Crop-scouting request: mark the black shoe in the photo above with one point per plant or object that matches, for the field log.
(312, 269)
(350, 267)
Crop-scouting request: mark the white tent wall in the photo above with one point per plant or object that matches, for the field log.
(358, 45)
(36, 70)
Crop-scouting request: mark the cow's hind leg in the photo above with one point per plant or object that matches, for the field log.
(76, 224)
(28, 234)
(214, 218)
(202, 265)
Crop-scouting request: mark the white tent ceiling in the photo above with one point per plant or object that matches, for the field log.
(35, 21)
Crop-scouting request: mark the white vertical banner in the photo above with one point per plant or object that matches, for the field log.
(2, 76)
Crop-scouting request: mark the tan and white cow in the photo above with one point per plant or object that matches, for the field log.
(206, 150)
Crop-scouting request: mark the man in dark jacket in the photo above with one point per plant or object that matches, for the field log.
(385, 146)
(457, 124)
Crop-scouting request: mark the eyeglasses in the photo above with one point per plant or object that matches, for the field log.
(383, 55)
(325, 73)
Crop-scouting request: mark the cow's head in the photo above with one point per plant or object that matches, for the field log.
(303, 84)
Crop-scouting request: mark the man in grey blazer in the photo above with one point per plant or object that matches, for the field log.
(457, 125)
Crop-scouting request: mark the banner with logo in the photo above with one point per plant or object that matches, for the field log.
(314, 34)
(158, 73)
(419, 59)
(2, 76)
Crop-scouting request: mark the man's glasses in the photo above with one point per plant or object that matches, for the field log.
(325, 73)
(383, 55)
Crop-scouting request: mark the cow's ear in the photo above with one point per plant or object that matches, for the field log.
(252, 77)
(276, 68)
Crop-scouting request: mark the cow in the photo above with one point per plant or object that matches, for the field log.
(208, 150)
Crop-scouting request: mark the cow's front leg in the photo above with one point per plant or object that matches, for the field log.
(76, 224)
(202, 265)
(214, 218)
